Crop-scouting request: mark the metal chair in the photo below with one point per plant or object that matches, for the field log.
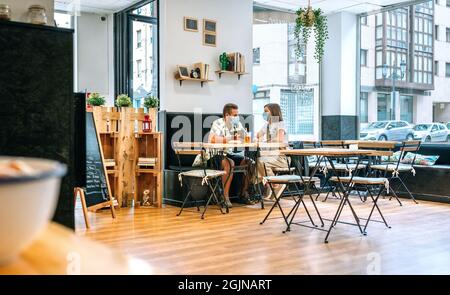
(367, 182)
(292, 184)
(398, 168)
(211, 178)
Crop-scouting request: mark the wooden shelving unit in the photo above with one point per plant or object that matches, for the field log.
(181, 79)
(239, 74)
(149, 173)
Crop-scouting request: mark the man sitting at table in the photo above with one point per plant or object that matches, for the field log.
(224, 130)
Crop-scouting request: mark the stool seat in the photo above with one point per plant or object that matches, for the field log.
(392, 167)
(361, 180)
(289, 179)
(284, 169)
(200, 173)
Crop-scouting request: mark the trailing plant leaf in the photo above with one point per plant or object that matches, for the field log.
(310, 19)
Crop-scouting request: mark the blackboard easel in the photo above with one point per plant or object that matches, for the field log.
(98, 190)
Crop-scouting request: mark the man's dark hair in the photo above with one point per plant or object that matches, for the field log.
(228, 108)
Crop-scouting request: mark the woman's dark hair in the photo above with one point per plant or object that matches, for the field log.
(275, 110)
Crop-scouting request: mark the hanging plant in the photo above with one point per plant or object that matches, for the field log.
(309, 19)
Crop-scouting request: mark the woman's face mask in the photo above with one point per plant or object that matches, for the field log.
(266, 116)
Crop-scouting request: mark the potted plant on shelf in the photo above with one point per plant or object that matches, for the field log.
(309, 19)
(123, 101)
(152, 103)
(96, 100)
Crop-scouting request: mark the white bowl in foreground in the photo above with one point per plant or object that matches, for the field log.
(27, 203)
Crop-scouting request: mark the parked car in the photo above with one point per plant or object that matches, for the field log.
(448, 125)
(387, 130)
(431, 132)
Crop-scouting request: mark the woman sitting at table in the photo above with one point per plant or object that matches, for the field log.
(273, 131)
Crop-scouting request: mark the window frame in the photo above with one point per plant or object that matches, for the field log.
(123, 46)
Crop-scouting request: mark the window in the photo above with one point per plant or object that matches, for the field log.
(139, 38)
(447, 70)
(364, 20)
(406, 108)
(280, 75)
(139, 68)
(436, 32)
(256, 56)
(364, 57)
(383, 107)
(434, 128)
(136, 51)
(436, 68)
(364, 106)
(447, 34)
(448, 3)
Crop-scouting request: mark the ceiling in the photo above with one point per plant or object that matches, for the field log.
(328, 6)
(331, 6)
(94, 6)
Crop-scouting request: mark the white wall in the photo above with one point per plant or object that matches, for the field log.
(19, 9)
(234, 33)
(95, 55)
(339, 70)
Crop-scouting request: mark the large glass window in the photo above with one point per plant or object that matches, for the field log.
(136, 51)
(283, 77)
(144, 53)
(406, 108)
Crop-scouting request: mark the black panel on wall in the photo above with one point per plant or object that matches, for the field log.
(36, 100)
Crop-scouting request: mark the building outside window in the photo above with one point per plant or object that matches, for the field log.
(447, 34)
(406, 34)
(363, 57)
(363, 107)
(145, 72)
(448, 3)
(282, 76)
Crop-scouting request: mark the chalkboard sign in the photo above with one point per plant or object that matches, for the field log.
(96, 185)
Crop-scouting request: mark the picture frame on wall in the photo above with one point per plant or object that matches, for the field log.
(209, 26)
(209, 39)
(183, 71)
(190, 24)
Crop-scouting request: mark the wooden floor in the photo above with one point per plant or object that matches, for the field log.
(235, 243)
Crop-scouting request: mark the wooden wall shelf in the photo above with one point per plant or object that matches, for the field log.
(239, 74)
(181, 79)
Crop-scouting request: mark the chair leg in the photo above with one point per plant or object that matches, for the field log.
(394, 193)
(375, 205)
(409, 193)
(184, 202)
